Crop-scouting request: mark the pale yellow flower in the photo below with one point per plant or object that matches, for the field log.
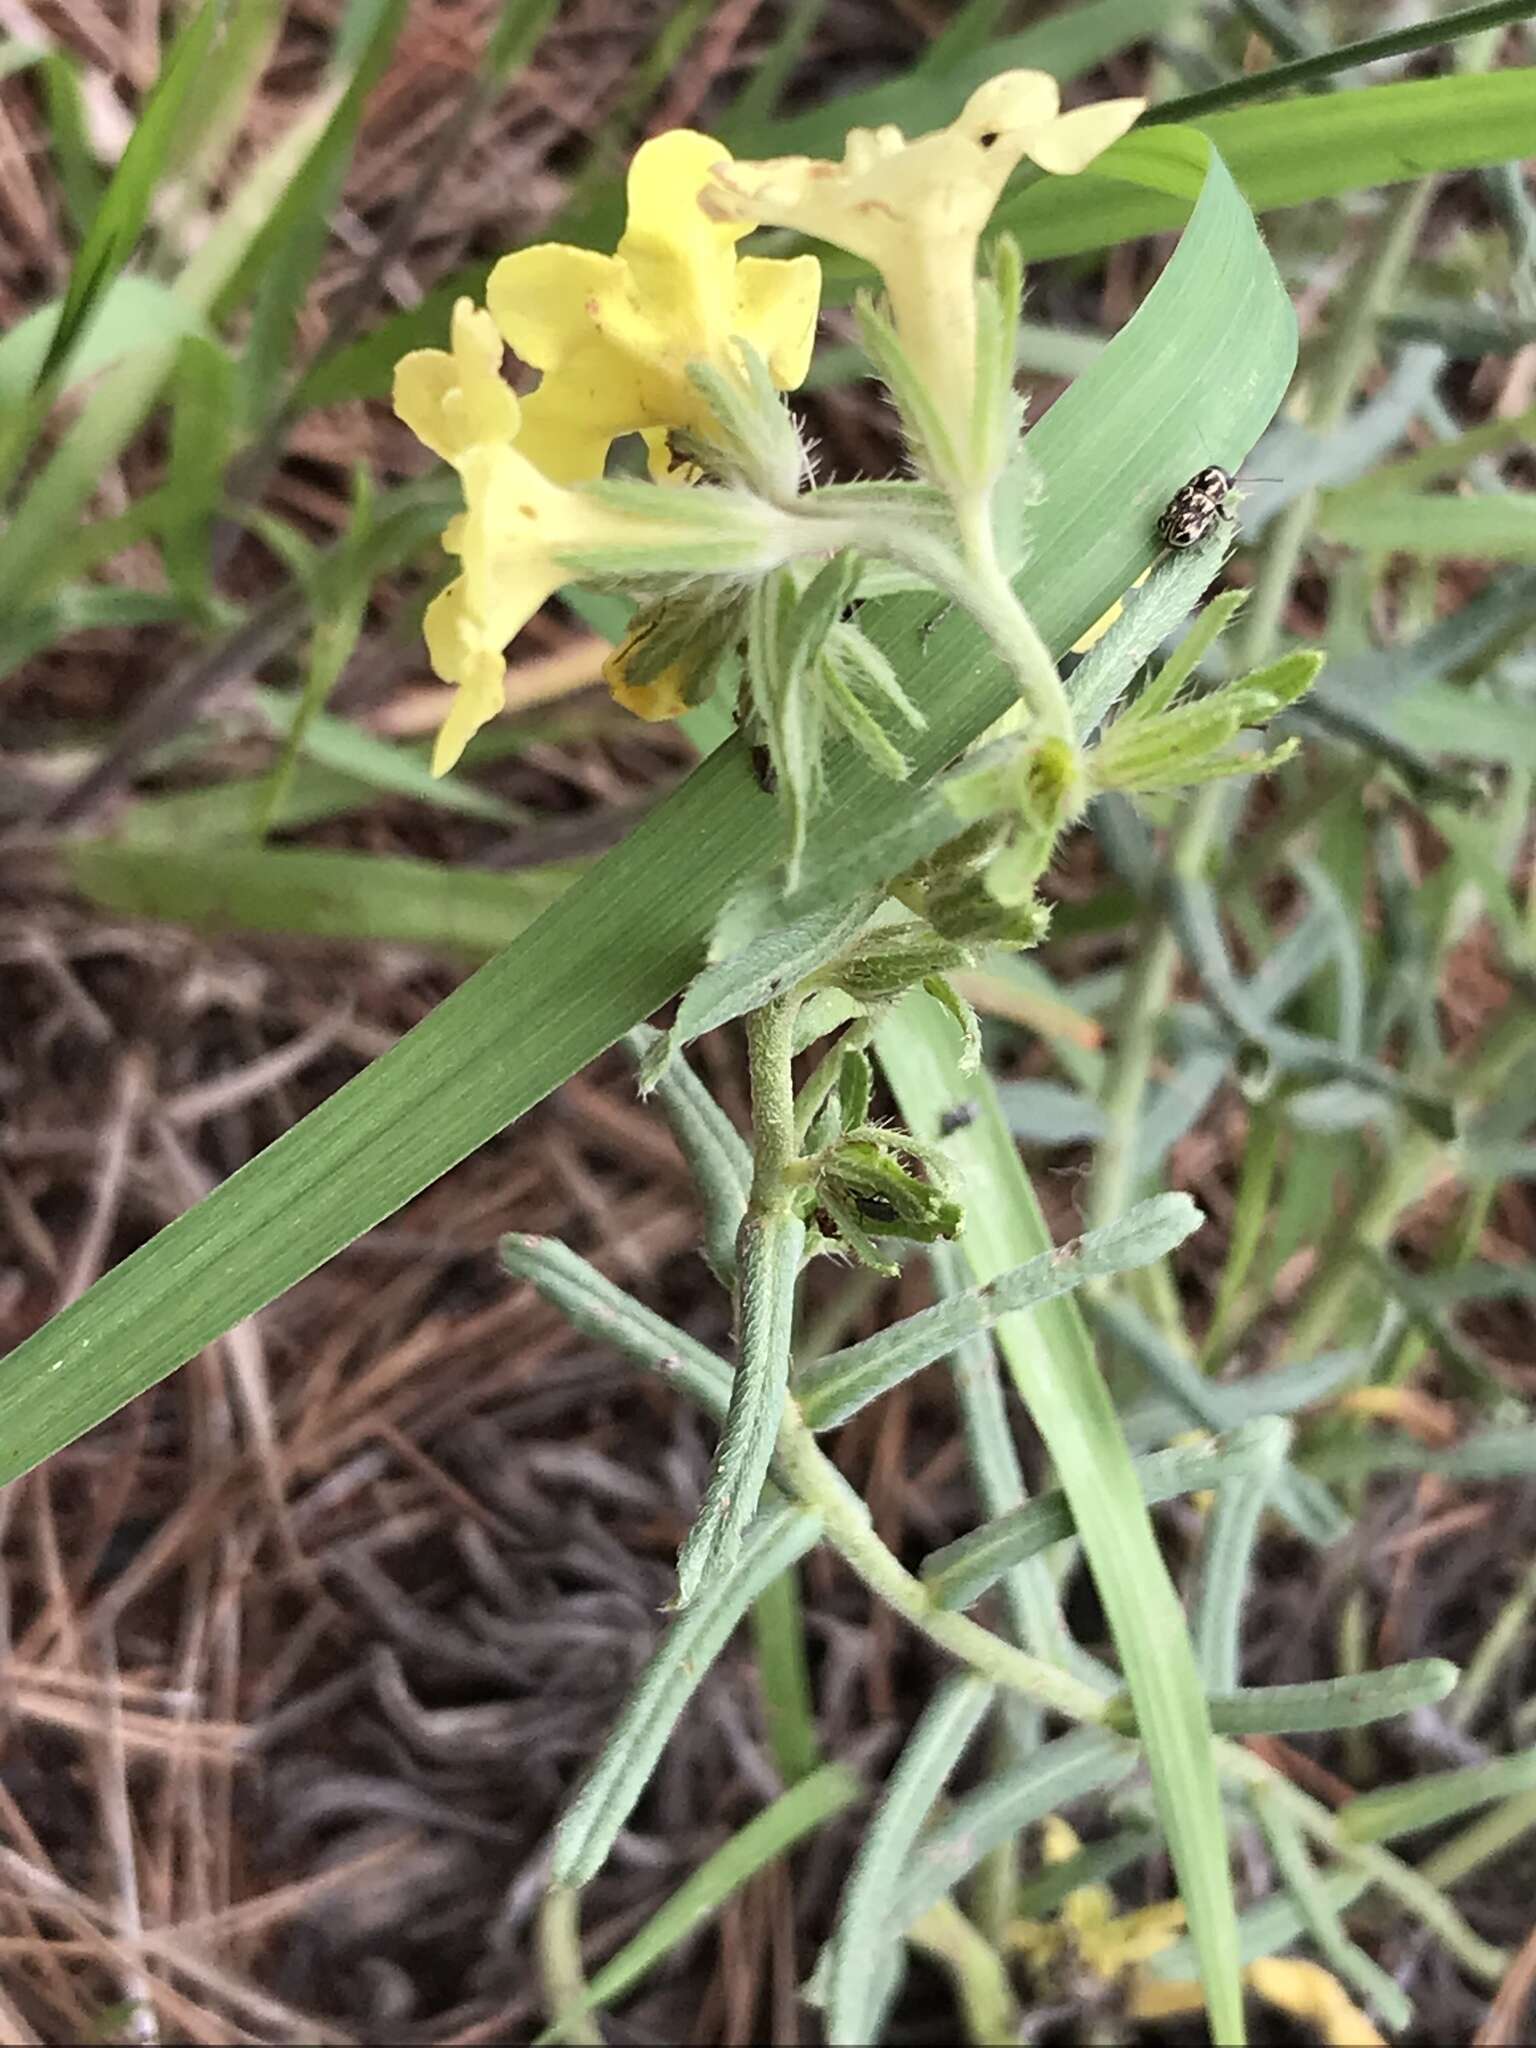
(519, 538)
(916, 210)
(454, 399)
(614, 335)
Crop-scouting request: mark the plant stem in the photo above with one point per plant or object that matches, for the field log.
(980, 1977)
(559, 1947)
(816, 1482)
(770, 1047)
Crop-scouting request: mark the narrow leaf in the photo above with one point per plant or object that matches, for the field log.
(840, 1385)
(768, 1266)
(851, 1975)
(611, 1791)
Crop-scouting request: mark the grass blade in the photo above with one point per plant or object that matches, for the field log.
(1054, 1368)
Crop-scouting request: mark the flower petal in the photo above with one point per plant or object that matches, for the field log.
(777, 303)
(1071, 143)
(541, 299)
(454, 400)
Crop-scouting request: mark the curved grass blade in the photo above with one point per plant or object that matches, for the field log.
(1054, 1368)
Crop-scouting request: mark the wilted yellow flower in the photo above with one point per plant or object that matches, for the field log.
(614, 335)
(915, 210)
(1090, 1928)
(660, 697)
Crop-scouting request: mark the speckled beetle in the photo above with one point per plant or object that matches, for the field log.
(1191, 514)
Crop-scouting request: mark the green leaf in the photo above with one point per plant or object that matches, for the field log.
(133, 312)
(1351, 1965)
(768, 1266)
(718, 1157)
(316, 895)
(611, 1790)
(1444, 1795)
(1057, 1375)
(962, 1571)
(609, 1316)
(124, 207)
(855, 1969)
(1495, 529)
(1070, 1768)
(632, 931)
(1283, 155)
(1308, 1506)
(1324, 1704)
(748, 969)
(838, 1386)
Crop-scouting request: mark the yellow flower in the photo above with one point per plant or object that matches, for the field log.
(915, 210)
(455, 399)
(519, 538)
(614, 335)
(661, 696)
(1114, 1945)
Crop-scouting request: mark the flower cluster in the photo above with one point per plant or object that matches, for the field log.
(676, 338)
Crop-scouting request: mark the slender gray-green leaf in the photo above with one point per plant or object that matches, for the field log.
(768, 1266)
(1028, 1589)
(1320, 1918)
(1325, 1703)
(1265, 1929)
(962, 1571)
(1070, 1768)
(610, 1316)
(718, 1156)
(1281, 1391)
(1307, 1506)
(608, 1795)
(1229, 1537)
(851, 1977)
(839, 1386)
(1403, 1809)
(1107, 671)
(1486, 1454)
